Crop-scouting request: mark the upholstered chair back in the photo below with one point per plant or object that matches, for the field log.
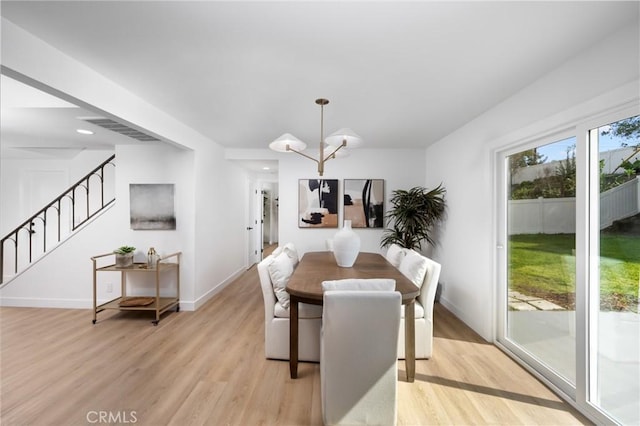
(358, 359)
(274, 272)
(424, 273)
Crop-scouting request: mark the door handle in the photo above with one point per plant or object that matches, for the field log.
(249, 228)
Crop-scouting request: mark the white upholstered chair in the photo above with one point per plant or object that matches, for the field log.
(274, 272)
(358, 362)
(395, 254)
(424, 273)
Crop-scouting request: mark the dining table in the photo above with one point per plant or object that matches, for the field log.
(305, 286)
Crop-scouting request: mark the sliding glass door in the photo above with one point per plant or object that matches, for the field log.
(569, 264)
(540, 249)
(614, 320)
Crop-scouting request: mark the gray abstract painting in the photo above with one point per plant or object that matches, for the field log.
(152, 206)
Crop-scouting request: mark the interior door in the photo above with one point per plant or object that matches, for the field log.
(253, 230)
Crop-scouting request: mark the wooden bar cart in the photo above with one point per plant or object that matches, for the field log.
(157, 304)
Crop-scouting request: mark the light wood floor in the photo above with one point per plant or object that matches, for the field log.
(208, 367)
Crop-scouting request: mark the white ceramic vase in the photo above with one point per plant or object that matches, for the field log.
(346, 246)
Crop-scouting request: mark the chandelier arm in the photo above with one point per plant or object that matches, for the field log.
(301, 153)
(344, 134)
(332, 155)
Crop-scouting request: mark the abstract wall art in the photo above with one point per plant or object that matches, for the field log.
(151, 206)
(364, 202)
(318, 203)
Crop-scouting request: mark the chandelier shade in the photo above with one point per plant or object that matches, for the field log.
(342, 135)
(286, 141)
(335, 144)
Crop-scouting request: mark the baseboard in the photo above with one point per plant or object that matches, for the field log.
(185, 305)
(450, 306)
(460, 314)
(28, 302)
(215, 290)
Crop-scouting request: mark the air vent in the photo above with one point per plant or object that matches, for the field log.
(114, 126)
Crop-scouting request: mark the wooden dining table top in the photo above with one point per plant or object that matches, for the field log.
(315, 267)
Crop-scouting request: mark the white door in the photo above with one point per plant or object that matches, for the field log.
(253, 228)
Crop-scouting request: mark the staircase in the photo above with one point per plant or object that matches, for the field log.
(57, 221)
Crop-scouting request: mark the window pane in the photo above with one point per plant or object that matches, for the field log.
(541, 254)
(615, 358)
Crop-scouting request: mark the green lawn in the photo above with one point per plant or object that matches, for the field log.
(544, 265)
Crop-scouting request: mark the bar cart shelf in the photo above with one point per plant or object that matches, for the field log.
(159, 305)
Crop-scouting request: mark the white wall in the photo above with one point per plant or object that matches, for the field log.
(400, 169)
(14, 173)
(162, 164)
(209, 232)
(600, 78)
(63, 279)
(29, 185)
(211, 193)
(220, 228)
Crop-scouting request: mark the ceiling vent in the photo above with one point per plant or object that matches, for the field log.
(114, 126)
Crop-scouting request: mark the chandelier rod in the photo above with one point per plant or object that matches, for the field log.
(289, 140)
(322, 103)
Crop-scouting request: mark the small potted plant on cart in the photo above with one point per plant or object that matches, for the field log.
(124, 256)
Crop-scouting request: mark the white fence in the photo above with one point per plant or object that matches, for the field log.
(612, 159)
(620, 202)
(558, 215)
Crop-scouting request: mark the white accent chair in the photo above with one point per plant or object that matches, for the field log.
(358, 361)
(395, 254)
(276, 317)
(424, 273)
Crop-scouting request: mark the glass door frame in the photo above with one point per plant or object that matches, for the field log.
(587, 247)
(537, 368)
(590, 246)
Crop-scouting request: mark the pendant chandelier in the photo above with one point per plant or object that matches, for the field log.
(335, 143)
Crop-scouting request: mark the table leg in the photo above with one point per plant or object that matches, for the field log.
(293, 337)
(410, 340)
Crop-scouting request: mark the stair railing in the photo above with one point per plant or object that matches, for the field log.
(69, 203)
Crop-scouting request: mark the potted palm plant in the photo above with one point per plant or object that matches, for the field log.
(413, 216)
(124, 256)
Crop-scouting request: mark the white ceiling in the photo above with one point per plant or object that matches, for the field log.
(401, 74)
(36, 125)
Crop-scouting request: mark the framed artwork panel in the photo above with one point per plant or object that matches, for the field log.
(364, 202)
(151, 206)
(318, 203)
